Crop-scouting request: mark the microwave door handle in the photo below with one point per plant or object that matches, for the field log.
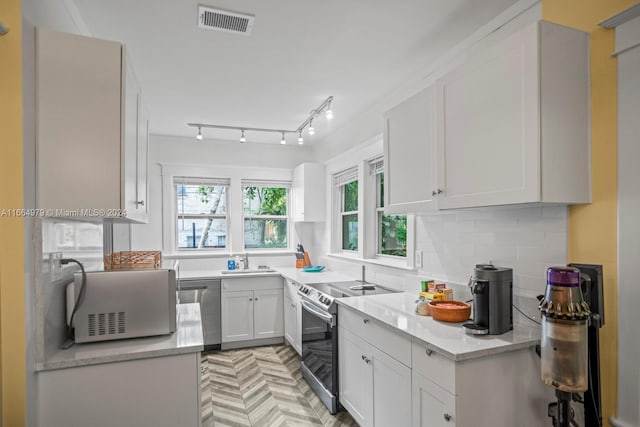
(311, 309)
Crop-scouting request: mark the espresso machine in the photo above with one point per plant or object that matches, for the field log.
(492, 290)
(572, 311)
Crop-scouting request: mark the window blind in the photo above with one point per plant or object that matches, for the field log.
(345, 176)
(376, 166)
(200, 181)
(266, 183)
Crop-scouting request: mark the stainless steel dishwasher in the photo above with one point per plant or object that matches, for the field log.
(207, 293)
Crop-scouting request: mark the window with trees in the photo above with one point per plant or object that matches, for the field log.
(265, 210)
(390, 229)
(347, 185)
(201, 213)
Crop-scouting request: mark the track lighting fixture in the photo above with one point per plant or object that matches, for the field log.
(308, 123)
(329, 112)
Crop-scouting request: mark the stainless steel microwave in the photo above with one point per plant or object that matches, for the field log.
(123, 304)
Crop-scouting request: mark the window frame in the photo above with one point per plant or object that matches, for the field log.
(379, 213)
(287, 217)
(339, 182)
(217, 182)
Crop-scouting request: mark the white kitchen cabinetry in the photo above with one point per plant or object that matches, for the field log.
(292, 316)
(374, 387)
(158, 391)
(308, 190)
(432, 406)
(513, 122)
(91, 136)
(252, 311)
(409, 154)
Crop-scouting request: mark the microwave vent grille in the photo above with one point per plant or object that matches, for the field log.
(112, 323)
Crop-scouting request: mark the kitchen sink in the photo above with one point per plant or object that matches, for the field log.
(248, 271)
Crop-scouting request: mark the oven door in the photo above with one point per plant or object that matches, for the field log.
(320, 347)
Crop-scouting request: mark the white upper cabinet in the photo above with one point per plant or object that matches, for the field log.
(513, 122)
(91, 138)
(409, 152)
(308, 193)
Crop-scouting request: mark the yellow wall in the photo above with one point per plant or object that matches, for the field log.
(12, 304)
(593, 228)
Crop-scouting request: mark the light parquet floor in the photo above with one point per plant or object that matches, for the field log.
(261, 387)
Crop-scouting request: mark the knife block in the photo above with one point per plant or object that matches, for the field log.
(304, 261)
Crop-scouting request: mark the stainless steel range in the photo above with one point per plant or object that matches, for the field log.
(320, 334)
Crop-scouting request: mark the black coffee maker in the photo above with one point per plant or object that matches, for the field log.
(492, 290)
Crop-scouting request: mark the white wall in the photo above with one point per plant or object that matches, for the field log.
(189, 152)
(628, 225)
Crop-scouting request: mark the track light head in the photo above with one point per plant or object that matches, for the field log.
(242, 138)
(311, 129)
(300, 138)
(283, 141)
(329, 112)
(199, 135)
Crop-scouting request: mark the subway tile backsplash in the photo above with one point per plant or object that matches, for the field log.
(528, 239)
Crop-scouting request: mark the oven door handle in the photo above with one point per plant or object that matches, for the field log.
(311, 309)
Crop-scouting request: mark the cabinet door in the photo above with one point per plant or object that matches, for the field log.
(355, 363)
(290, 322)
(391, 391)
(308, 191)
(142, 164)
(78, 116)
(432, 405)
(237, 316)
(268, 313)
(131, 96)
(297, 193)
(488, 134)
(409, 148)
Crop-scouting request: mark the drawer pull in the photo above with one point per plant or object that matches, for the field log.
(447, 417)
(250, 299)
(366, 359)
(365, 321)
(429, 352)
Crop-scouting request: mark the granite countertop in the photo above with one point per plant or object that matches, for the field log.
(187, 338)
(398, 311)
(295, 274)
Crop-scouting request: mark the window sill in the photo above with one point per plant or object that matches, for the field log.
(204, 254)
(400, 265)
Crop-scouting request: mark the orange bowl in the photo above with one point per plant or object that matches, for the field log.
(450, 311)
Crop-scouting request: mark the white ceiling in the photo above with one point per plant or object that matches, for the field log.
(299, 53)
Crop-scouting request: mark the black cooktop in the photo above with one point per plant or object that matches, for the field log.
(352, 289)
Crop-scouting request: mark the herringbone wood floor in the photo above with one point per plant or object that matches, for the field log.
(261, 387)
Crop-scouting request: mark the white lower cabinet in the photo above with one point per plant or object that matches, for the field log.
(268, 310)
(252, 309)
(292, 316)
(431, 405)
(375, 388)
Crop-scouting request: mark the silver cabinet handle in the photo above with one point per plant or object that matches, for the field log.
(365, 321)
(293, 305)
(436, 192)
(447, 417)
(366, 359)
(140, 202)
(429, 352)
(250, 299)
(255, 299)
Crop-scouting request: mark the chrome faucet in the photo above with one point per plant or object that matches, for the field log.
(245, 261)
(363, 280)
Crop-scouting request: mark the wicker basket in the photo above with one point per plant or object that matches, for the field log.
(450, 311)
(132, 260)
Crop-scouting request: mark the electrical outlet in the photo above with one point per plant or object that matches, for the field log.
(418, 259)
(55, 266)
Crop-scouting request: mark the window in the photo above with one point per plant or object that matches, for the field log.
(265, 215)
(347, 184)
(201, 213)
(391, 229)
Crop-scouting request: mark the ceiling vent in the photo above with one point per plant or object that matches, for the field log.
(224, 20)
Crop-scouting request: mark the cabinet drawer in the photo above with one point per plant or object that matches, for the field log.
(395, 344)
(433, 366)
(251, 283)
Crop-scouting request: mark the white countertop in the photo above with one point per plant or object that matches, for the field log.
(186, 339)
(449, 339)
(295, 274)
